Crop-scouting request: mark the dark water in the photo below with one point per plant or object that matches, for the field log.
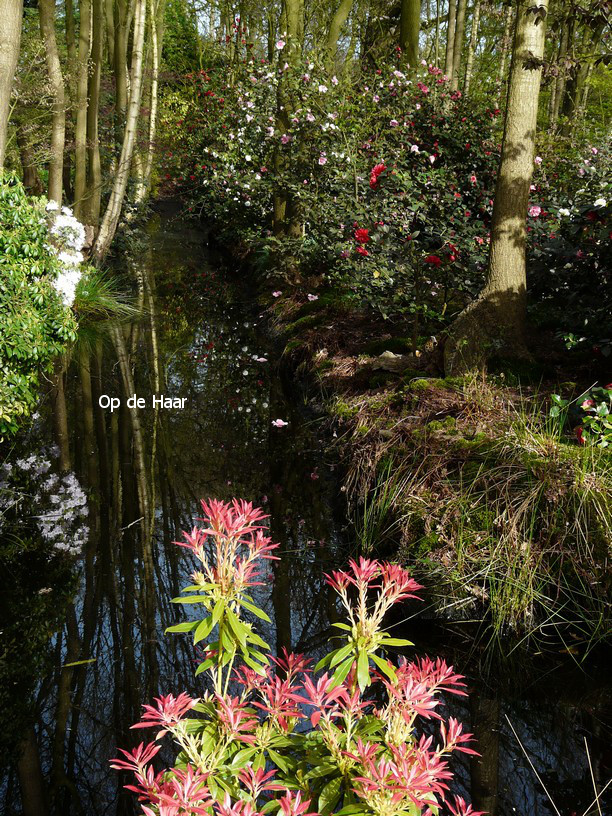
(211, 350)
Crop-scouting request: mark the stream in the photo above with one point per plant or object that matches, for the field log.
(211, 350)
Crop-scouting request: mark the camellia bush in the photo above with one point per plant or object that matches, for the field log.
(344, 738)
(39, 271)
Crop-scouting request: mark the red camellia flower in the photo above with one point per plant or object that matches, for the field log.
(375, 173)
(362, 235)
(433, 259)
(579, 436)
(362, 250)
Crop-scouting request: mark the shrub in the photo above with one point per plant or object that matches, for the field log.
(291, 741)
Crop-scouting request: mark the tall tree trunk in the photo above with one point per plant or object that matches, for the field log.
(484, 769)
(113, 209)
(469, 65)
(156, 27)
(575, 88)
(70, 33)
(558, 85)
(410, 26)
(504, 48)
(338, 19)
(31, 780)
(497, 318)
(450, 38)
(60, 414)
(10, 40)
(120, 43)
(31, 178)
(80, 130)
(93, 192)
(46, 13)
(458, 44)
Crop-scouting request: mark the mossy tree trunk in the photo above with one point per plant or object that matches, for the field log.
(495, 322)
(469, 65)
(410, 26)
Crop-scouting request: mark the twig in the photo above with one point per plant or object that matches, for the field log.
(586, 748)
(533, 768)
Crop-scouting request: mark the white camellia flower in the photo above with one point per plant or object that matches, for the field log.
(601, 202)
(564, 212)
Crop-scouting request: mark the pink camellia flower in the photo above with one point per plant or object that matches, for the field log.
(473, 178)
(310, 117)
(334, 80)
(376, 98)
(312, 298)
(535, 210)
(322, 88)
(594, 151)
(285, 138)
(608, 387)
(323, 159)
(279, 423)
(394, 123)
(278, 293)
(432, 159)
(280, 44)
(587, 405)
(414, 149)
(538, 160)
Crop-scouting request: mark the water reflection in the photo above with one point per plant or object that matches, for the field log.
(145, 470)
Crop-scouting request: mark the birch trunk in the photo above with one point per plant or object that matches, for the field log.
(469, 65)
(113, 209)
(91, 209)
(450, 38)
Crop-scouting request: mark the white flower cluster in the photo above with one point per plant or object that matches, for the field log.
(68, 239)
(59, 503)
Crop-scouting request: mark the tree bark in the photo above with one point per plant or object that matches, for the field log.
(450, 38)
(31, 780)
(495, 322)
(156, 23)
(458, 44)
(339, 18)
(113, 209)
(46, 13)
(558, 86)
(80, 130)
(93, 192)
(10, 39)
(505, 45)
(469, 65)
(31, 178)
(410, 26)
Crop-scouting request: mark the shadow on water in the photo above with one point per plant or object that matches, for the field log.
(202, 340)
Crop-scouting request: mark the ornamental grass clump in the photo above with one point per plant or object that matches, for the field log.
(269, 734)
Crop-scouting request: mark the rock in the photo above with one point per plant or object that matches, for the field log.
(388, 361)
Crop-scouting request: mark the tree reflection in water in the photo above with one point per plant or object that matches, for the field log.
(145, 470)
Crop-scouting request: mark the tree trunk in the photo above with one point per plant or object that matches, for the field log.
(575, 88)
(10, 39)
(31, 179)
(469, 65)
(46, 12)
(410, 25)
(156, 23)
(484, 769)
(505, 45)
(113, 209)
(458, 44)
(31, 780)
(339, 18)
(558, 88)
(93, 192)
(450, 38)
(495, 322)
(80, 130)
(120, 41)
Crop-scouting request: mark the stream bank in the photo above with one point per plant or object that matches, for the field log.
(214, 349)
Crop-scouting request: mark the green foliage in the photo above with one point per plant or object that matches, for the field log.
(35, 326)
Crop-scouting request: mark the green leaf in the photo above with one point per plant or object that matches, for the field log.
(188, 626)
(204, 629)
(329, 796)
(256, 611)
(242, 757)
(385, 667)
(344, 626)
(342, 671)
(340, 654)
(238, 628)
(389, 641)
(278, 760)
(363, 670)
(190, 599)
